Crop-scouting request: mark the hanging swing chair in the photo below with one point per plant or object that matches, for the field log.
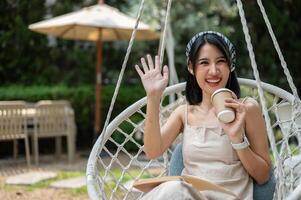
(112, 169)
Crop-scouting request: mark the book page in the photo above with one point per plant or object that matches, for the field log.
(145, 185)
(201, 185)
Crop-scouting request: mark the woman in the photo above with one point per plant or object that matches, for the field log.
(229, 155)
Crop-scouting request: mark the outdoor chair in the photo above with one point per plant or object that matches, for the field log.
(54, 119)
(13, 125)
(109, 176)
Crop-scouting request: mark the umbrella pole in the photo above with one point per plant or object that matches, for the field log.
(97, 125)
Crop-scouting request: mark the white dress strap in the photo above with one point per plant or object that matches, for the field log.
(244, 99)
(186, 115)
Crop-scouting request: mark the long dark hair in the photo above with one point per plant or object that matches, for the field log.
(193, 91)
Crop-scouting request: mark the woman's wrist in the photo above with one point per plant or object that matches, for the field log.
(154, 97)
(242, 145)
(153, 101)
(237, 138)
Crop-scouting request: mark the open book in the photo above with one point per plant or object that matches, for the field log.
(146, 185)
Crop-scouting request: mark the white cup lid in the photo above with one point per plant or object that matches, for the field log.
(220, 90)
(226, 116)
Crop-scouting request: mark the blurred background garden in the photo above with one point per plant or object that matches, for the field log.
(35, 67)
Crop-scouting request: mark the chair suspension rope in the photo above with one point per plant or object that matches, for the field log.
(161, 54)
(100, 140)
(279, 52)
(127, 56)
(256, 73)
(278, 161)
(296, 109)
(260, 91)
(163, 38)
(91, 171)
(123, 68)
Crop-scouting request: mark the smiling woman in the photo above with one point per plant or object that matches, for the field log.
(214, 150)
(212, 53)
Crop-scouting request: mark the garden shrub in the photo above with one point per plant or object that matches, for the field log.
(82, 100)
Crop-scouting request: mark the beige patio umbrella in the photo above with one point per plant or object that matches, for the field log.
(95, 23)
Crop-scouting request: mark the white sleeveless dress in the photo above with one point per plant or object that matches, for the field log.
(208, 154)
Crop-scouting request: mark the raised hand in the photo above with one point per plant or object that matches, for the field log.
(154, 82)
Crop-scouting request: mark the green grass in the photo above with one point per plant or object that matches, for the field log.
(45, 184)
(127, 176)
(78, 191)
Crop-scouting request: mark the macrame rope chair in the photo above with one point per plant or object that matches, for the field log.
(111, 176)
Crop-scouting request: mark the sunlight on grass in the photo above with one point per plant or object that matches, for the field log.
(109, 186)
(45, 184)
(117, 173)
(79, 191)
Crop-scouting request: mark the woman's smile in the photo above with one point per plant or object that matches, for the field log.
(213, 82)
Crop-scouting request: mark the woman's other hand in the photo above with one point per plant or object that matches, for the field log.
(154, 82)
(235, 129)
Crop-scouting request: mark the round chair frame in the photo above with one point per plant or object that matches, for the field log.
(103, 183)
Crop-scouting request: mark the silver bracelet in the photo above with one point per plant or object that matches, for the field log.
(244, 144)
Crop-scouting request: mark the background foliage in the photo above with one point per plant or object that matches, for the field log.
(34, 66)
(82, 101)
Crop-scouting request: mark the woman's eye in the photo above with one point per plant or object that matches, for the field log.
(203, 63)
(221, 61)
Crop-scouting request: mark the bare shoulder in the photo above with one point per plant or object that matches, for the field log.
(179, 111)
(181, 108)
(252, 104)
(178, 116)
(253, 113)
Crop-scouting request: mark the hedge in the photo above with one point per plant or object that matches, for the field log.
(82, 100)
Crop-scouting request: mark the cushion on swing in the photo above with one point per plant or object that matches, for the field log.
(260, 192)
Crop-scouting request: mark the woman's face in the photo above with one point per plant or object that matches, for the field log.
(211, 69)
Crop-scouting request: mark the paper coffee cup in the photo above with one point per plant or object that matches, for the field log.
(224, 114)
